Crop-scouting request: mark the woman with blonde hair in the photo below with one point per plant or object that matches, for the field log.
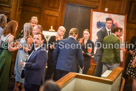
(25, 42)
(6, 53)
(51, 71)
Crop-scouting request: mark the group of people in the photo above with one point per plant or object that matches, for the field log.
(108, 53)
(60, 56)
(32, 54)
(108, 48)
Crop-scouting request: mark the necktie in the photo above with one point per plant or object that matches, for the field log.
(109, 32)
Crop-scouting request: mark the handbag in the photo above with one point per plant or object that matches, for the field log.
(23, 74)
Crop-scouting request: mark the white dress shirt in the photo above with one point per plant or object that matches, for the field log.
(108, 30)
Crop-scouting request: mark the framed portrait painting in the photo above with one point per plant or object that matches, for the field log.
(98, 20)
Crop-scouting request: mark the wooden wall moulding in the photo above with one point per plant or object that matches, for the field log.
(31, 9)
(49, 20)
(53, 13)
(110, 4)
(84, 1)
(53, 5)
(5, 3)
(132, 13)
(6, 12)
(131, 25)
(89, 3)
(130, 32)
(25, 17)
(33, 3)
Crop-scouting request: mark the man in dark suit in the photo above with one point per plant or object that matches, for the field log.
(101, 34)
(35, 65)
(66, 54)
(111, 50)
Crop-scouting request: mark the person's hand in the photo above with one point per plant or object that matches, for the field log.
(14, 44)
(19, 46)
(124, 49)
(52, 46)
(81, 68)
(81, 40)
(30, 41)
(133, 64)
(131, 52)
(22, 64)
(89, 54)
(83, 52)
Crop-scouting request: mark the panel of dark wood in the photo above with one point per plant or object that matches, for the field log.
(77, 16)
(5, 3)
(53, 4)
(115, 6)
(34, 3)
(132, 12)
(48, 21)
(25, 17)
(89, 3)
(131, 32)
(30, 8)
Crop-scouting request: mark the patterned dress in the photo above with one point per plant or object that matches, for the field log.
(130, 70)
(5, 63)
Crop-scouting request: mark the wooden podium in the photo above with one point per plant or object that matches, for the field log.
(79, 82)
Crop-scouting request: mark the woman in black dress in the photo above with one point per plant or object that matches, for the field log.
(87, 49)
(51, 70)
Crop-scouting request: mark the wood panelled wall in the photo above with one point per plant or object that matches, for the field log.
(30, 8)
(131, 24)
(13, 7)
(115, 6)
(52, 12)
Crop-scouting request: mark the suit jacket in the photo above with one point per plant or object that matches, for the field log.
(111, 53)
(101, 34)
(66, 57)
(35, 67)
